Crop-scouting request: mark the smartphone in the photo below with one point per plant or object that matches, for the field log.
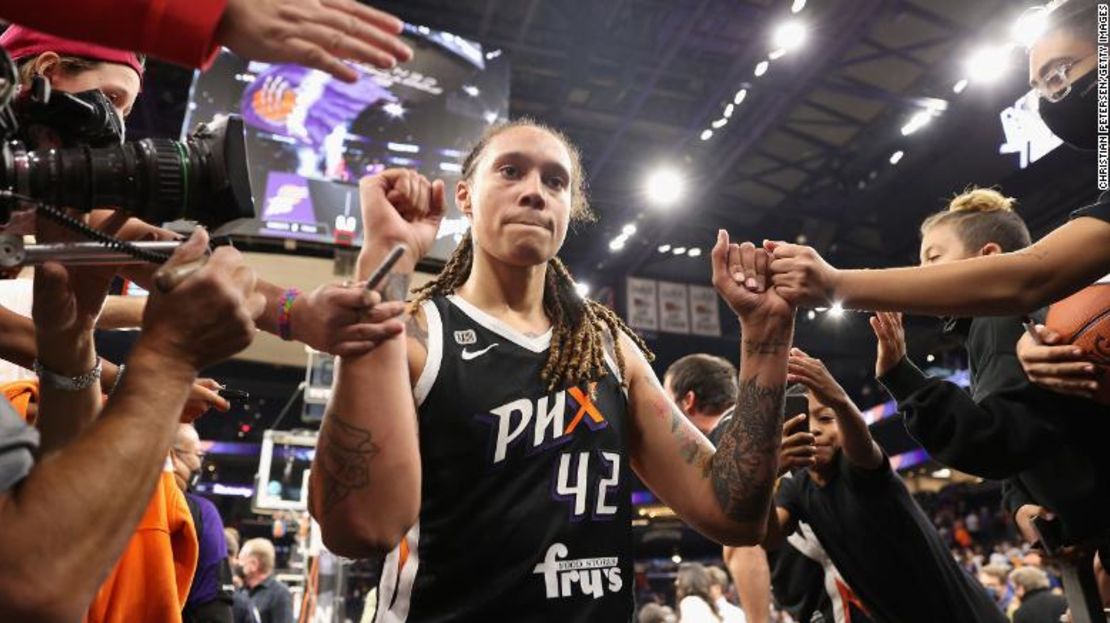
(1050, 534)
(793, 405)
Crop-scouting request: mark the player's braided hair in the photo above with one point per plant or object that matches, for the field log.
(578, 335)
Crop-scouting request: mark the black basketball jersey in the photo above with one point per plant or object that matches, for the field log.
(526, 508)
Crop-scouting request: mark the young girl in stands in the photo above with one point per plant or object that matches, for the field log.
(1049, 447)
(1062, 69)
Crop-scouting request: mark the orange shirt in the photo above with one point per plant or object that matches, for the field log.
(151, 580)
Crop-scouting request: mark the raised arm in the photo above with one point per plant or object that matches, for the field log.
(17, 338)
(1002, 284)
(780, 525)
(320, 35)
(66, 304)
(121, 312)
(752, 577)
(365, 481)
(855, 438)
(330, 318)
(1006, 431)
(65, 525)
(724, 494)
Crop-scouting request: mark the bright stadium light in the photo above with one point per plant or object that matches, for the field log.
(896, 157)
(665, 186)
(789, 36)
(919, 120)
(1030, 26)
(988, 64)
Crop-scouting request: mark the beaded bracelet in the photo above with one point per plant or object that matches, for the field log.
(284, 319)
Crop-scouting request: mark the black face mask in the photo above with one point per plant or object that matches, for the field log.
(1074, 118)
(55, 119)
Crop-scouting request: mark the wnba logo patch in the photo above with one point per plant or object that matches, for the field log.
(466, 338)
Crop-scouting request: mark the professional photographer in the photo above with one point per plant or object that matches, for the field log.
(332, 318)
(316, 33)
(67, 303)
(96, 76)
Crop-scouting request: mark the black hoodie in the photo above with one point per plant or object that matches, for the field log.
(1053, 449)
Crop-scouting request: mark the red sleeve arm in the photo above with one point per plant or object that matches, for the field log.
(181, 31)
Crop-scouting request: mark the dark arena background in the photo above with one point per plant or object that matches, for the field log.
(836, 124)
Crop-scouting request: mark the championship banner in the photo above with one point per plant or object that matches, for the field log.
(643, 309)
(705, 318)
(674, 307)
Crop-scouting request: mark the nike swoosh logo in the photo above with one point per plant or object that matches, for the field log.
(468, 355)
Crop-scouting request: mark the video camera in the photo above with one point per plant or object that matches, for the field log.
(204, 178)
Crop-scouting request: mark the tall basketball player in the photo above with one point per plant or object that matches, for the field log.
(487, 446)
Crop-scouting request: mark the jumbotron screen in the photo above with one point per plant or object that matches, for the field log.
(311, 137)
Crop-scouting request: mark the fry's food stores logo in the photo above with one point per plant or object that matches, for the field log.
(585, 576)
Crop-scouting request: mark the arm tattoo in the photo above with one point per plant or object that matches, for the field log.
(416, 332)
(689, 448)
(773, 346)
(396, 287)
(743, 469)
(692, 452)
(344, 454)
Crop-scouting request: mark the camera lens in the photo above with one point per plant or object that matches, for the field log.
(205, 178)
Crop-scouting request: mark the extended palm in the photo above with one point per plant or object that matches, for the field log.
(892, 341)
(811, 372)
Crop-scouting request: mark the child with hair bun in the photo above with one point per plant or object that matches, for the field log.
(1046, 446)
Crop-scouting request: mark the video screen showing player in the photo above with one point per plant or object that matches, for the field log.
(311, 137)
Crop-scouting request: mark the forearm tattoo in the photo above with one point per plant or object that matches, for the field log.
(396, 287)
(743, 468)
(416, 332)
(345, 451)
(773, 346)
(690, 448)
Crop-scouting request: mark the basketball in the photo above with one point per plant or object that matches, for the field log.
(1083, 319)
